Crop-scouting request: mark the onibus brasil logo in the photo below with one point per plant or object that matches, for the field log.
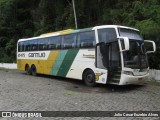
(21, 114)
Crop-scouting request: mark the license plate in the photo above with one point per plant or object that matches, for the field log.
(139, 78)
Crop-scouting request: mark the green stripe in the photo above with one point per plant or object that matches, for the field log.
(67, 62)
(56, 66)
(85, 30)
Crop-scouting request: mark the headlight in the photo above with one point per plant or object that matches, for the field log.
(128, 72)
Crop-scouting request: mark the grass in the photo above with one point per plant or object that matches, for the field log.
(68, 94)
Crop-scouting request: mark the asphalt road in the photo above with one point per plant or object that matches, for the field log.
(21, 92)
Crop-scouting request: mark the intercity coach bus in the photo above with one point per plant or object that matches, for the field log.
(107, 54)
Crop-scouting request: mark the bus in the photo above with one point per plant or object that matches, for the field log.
(106, 54)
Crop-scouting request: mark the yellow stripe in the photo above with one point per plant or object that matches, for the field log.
(66, 31)
(50, 62)
(60, 32)
(42, 66)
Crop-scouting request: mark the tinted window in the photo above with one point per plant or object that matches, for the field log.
(34, 45)
(54, 43)
(20, 46)
(131, 34)
(43, 44)
(107, 35)
(27, 46)
(69, 41)
(86, 39)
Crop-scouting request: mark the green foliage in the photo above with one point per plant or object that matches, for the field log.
(148, 27)
(28, 18)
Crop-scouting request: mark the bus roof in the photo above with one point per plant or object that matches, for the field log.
(113, 26)
(69, 31)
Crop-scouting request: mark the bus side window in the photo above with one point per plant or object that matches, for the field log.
(23, 49)
(107, 35)
(86, 39)
(54, 43)
(20, 47)
(43, 44)
(27, 46)
(69, 41)
(34, 45)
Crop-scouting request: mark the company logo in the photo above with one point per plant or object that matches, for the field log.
(6, 114)
(36, 55)
(21, 114)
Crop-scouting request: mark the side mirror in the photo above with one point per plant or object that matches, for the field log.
(123, 43)
(153, 45)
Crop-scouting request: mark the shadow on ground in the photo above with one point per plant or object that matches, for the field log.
(79, 86)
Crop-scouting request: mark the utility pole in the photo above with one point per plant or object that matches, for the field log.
(75, 17)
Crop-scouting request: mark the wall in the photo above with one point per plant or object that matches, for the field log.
(8, 65)
(154, 74)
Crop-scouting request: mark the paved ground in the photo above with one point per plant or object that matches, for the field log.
(21, 92)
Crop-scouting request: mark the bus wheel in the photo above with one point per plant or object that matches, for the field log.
(89, 78)
(27, 69)
(33, 70)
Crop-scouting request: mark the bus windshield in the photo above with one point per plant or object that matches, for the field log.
(135, 58)
(131, 34)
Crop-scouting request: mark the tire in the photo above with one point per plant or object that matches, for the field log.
(27, 69)
(89, 78)
(33, 70)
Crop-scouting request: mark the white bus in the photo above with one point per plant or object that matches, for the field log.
(108, 54)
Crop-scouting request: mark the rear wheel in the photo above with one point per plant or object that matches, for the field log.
(33, 70)
(27, 69)
(89, 78)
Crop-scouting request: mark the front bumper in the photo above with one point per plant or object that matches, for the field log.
(129, 79)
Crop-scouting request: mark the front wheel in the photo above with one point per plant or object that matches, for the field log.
(89, 78)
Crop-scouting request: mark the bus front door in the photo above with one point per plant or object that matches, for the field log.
(108, 57)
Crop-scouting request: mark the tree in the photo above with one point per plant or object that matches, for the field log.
(28, 18)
